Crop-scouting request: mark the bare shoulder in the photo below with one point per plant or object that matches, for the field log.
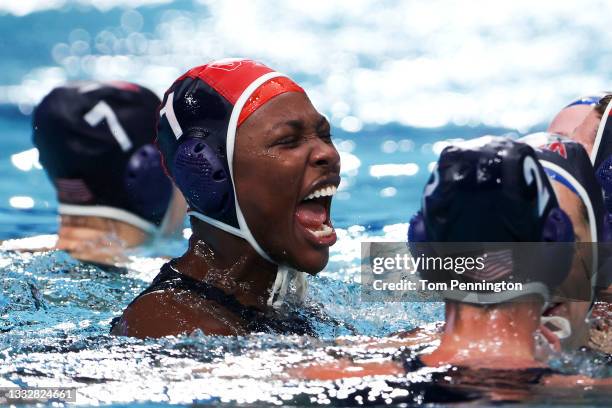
(344, 368)
(172, 312)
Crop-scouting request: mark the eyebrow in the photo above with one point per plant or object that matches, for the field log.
(323, 124)
(298, 124)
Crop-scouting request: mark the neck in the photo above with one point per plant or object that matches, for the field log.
(229, 263)
(497, 336)
(97, 239)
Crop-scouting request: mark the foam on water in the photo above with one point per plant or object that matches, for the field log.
(56, 314)
(382, 72)
(55, 321)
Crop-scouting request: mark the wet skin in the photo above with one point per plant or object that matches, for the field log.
(103, 240)
(285, 158)
(283, 153)
(586, 131)
(577, 285)
(568, 119)
(501, 336)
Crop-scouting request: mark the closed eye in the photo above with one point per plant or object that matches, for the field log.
(287, 141)
(327, 137)
(323, 130)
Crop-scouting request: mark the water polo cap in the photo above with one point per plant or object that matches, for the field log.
(589, 100)
(494, 190)
(95, 143)
(196, 134)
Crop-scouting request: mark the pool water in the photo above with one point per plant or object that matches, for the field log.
(55, 311)
(396, 86)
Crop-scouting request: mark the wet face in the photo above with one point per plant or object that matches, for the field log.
(578, 284)
(586, 131)
(286, 170)
(569, 119)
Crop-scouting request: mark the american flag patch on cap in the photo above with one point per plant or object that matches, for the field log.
(73, 191)
(497, 264)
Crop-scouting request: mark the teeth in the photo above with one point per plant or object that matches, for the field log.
(322, 192)
(323, 232)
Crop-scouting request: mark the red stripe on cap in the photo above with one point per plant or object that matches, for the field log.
(265, 92)
(229, 77)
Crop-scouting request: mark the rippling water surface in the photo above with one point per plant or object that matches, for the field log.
(398, 80)
(54, 332)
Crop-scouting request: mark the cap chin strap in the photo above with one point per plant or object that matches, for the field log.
(284, 275)
(531, 288)
(112, 213)
(230, 144)
(562, 327)
(600, 130)
(164, 228)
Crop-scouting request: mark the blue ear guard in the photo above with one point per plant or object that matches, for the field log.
(149, 189)
(201, 174)
(557, 227)
(604, 177)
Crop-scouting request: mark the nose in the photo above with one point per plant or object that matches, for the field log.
(325, 155)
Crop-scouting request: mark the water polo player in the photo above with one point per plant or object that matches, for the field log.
(594, 132)
(569, 168)
(573, 114)
(255, 162)
(601, 157)
(95, 144)
(488, 190)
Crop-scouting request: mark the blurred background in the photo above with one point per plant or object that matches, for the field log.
(398, 79)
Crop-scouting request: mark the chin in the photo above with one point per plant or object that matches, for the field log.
(311, 263)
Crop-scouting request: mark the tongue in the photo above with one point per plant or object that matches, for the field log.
(311, 214)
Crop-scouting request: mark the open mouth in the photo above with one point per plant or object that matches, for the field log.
(313, 214)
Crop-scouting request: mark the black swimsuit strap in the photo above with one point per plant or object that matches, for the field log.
(257, 321)
(412, 362)
(170, 278)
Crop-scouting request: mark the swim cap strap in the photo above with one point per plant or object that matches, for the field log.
(284, 277)
(562, 327)
(108, 212)
(231, 141)
(601, 150)
(216, 223)
(529, 288)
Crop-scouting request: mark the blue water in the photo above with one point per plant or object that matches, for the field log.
(394, 88)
